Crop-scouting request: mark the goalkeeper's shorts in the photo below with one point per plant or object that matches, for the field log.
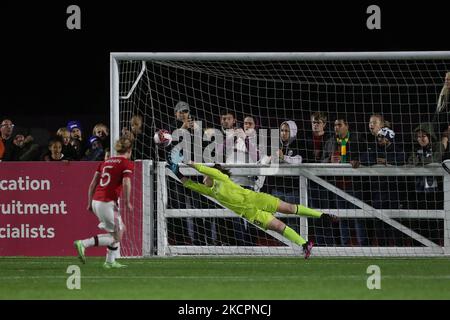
(260, 217)
(263, 201)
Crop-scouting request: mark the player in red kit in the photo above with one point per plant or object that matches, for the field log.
(112, 175)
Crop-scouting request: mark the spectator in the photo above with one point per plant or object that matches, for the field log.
(235, 151)
(445, 144)
(102, 132)
(195, 229)
(76, 133)
(251, 126)
(128, 135)
(376, 122)
(381, 148)
(136, 123)
(316, 138)
(290, 153)
(6, 139)
(318, 196)
(250, 139)
(55, 151)
(427, 150)
(253, 155)
(68, 149)
(96, 151)
(24, 149)
(134, 133)
(344, 147)
(75, 130)
(76, 145)
(249, 135)
(441, 117)
(184, 117)
(385, 190)
(347, 147)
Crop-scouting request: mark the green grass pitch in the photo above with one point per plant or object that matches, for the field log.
(226, 278)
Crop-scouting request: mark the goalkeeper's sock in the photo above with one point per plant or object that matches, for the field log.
(307, 212)
(290, 234)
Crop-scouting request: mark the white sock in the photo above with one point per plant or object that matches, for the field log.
(105, 239)
(117, 256)
(111, 254)
(88, 242)
(102, 240)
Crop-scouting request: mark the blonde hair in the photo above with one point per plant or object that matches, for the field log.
(443, 97)
(61, 131)
(98, 126)
(123, 145)
(136, 124)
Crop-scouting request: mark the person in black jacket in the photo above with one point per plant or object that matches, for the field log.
(23, 148)
(197, 231)
(347, 147)
(6, 139)
(77, 140)
(385, 190)
(67, 149)
(96, 151)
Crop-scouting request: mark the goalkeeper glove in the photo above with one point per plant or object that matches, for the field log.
(175, 155)
(174, 159)
(175, 169)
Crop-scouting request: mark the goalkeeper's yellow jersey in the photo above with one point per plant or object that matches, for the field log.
(229, 194)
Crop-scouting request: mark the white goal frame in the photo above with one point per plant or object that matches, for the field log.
(312, 171)
(304, 171)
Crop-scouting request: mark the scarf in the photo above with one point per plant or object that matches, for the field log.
(343, 143)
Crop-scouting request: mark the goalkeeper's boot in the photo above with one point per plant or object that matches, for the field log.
(80, 249)
(307, 248)
(113, 265)
(329, 217)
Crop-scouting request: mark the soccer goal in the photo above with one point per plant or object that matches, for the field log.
(390, 107)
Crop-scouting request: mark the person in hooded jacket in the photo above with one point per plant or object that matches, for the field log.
(288, 188)
(427, 150)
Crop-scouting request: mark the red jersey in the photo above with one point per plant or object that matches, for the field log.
(112, 171)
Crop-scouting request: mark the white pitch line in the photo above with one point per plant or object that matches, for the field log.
(263, 278)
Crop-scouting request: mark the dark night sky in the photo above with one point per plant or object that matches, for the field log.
(50, 70)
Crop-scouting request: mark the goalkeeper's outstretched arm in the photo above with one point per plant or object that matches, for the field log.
(188, 183)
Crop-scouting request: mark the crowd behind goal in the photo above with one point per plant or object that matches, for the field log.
(328, 138)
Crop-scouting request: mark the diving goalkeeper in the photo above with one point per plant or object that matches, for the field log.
(256, 207)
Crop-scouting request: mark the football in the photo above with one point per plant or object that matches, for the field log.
(162, 138)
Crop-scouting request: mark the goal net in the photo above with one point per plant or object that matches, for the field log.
(358, 135)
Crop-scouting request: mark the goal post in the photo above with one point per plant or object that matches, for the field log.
(312, 171)
(384, 212)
